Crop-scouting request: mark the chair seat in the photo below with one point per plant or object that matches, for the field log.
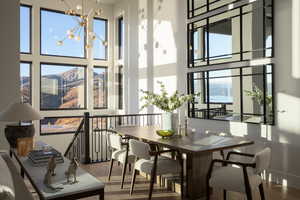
(165, 165)
(120, 155)
(232, 179)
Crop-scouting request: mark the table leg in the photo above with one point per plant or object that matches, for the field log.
(197, 169)
(101, 195)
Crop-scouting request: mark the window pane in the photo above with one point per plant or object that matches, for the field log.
(220, 88)
(100, 43)
(62, 86)
(25, 25)
(54, 28)
(100, 87)
(25, 82)
(220, 34)
(56, 125)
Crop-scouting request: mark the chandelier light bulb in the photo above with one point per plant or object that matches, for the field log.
(69, 32)
(104, 43)
(79, 7)
(77, 38)
(71, 36)
(59, 43)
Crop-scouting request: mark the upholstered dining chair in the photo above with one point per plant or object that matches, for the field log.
(120, 153)
(151, 162)
(244, 178)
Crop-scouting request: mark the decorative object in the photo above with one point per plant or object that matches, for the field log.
(165, 133)
(166, 103)
(52, 165)
(41, 157)
(258, 96)
(18, 112)
(82, 21)
(24, 145)
(50, 173)
(72, 170)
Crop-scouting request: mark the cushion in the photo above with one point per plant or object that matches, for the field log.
(120, 155)
(232, 179)
(6, 177)
(164, 166)
(6, 193)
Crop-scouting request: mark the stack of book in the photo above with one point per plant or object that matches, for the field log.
(41, 157)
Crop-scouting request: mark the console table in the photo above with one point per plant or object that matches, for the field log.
(87, 185)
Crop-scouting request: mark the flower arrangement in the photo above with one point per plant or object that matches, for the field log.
(258, 96)
(165, 102)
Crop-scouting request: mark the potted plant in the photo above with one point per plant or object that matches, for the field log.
(166, 103)
(258, 96)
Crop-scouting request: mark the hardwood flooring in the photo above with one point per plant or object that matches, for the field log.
(113, 191)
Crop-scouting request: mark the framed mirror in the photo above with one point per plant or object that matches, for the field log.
(240, 94)
(244, 33)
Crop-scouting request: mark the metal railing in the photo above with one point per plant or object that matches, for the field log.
(90, 144)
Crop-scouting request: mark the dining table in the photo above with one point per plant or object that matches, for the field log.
(197, 146)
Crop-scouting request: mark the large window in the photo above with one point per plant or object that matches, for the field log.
(54, 28)
(59, 125)
(25, 82)
(240, 94)
(121, 37)
(100, 87)
(25, 29)
(239, 34)
(100, 42)
(62, 87)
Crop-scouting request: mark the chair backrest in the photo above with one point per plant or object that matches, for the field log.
(262, 160)
(115, 141)
(140, 149)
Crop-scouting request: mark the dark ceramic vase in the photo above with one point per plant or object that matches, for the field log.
(13, 132)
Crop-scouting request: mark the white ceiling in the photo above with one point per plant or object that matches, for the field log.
(108, 1)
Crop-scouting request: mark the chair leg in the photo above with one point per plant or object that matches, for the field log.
(207, 191)
(110, 168)
(261, 191)
(129, 167)
(152, 179)
(224, 194)
(133, 180)
(123, 174)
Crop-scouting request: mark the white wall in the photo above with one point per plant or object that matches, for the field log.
(9, 58)
(170, 66)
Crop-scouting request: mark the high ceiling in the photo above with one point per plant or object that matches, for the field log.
(108, 1)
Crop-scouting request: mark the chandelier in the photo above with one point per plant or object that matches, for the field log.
(82, 15)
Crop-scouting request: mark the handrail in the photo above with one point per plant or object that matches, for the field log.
(74, 137)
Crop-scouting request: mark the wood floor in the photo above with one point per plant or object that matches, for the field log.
(113, 191)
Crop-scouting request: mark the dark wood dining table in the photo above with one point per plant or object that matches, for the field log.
(197, 146)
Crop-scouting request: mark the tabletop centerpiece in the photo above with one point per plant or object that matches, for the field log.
(168, 104)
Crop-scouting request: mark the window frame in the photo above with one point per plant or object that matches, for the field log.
(106, 38)
(106, 89)
(30, 29)
(30, 79)
(58, 133)
(51, 55)
(65, 65)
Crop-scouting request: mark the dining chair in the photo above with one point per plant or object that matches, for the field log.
(151, 162)
(244, 178)
(120, 153)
